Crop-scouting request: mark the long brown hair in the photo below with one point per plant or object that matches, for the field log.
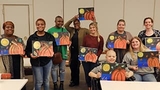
(95, 24)
(142, 47)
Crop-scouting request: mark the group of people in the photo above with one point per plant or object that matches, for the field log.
(129, 55)
(43, 67)
(94, 40)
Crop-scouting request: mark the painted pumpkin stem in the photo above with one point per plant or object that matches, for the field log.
(119, 37)
(119, 68)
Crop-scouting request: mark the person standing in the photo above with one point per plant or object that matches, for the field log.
(149, 31)
(63, 50)
(11, 63)
(76, 36)
(93, 40)
(41, 66)
(122, 33)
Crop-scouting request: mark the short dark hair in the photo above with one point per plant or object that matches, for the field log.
(146, 19)
(57, 17)
(8, 23)
(76, 20)
(121, 20)
(40, 19)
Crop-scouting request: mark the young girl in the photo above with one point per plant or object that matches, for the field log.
(93, 40)
(41, 66)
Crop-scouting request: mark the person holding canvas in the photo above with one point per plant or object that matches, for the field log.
(61, 49)
(117, 36)
(41, 66)
(92, 40)
(143, 73)
(149, 31)
(11, 63)
(110, 58)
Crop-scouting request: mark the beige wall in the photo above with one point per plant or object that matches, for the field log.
(107, 12)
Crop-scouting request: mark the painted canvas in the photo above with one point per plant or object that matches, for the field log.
(11, 46)
(86, 13)
(88, 54)
(113, 71)
(153, 43)
(116, 41)
(62, 38)
(148, 59)
(42, 48)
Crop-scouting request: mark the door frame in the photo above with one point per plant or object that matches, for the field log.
(3, 10)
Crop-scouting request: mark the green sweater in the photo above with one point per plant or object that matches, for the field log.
(62, 48)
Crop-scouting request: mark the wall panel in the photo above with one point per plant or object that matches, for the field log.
(108, 12)
(135, 12)
(157, 15)
(48, 10)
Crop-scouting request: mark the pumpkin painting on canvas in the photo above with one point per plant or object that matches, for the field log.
(153, 43)
(113, 71)
(86, 13)
(148, 59)
(11, 46)
(88, 54)
(118, 42)
(62, 38)
(42, 48)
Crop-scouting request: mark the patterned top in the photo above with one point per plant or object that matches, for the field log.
(142, 34)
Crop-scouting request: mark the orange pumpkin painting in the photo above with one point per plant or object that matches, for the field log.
(16, 48)
(91, 57)
(86, 13)
(153, 62)
(89, 15)
(45, 50)
(118, 74)
(64, 40)
(120, 43)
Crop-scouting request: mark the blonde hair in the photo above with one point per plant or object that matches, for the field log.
(95, 24)
(142, 47)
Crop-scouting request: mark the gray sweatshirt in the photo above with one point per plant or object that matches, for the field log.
(99, 69)
(130, 62)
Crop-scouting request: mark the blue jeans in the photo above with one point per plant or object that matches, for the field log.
(145, 77)
(58, 69)
(41, 76)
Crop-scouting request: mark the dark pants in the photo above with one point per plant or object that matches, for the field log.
(120, 54)
(95, 83)
(16, 68)
(74, 67)
(88, 66)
